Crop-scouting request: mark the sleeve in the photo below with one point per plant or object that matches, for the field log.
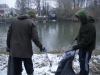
(9, 36)
(87, 37)
(35, 37)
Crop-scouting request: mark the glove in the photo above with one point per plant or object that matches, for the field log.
(43, 49)
(76, 38)
(8, 49)
(75, 47)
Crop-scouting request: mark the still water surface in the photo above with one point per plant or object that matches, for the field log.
(55, 36)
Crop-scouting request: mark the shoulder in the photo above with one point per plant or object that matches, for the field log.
(31, 22)
(14, 22)
(90, 26)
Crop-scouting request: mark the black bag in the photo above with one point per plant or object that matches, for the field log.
(10, 69)
(65, 65)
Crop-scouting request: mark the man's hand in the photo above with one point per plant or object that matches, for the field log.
(43, 49)
(75, 47)
(8, 49)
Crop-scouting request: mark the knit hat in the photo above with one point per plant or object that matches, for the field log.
(31, 13)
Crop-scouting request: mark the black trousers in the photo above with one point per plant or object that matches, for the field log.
(84, 58)
(18, 65)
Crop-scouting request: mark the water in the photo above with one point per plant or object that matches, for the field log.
(55, 36)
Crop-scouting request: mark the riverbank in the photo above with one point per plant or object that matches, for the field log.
(38, 19)
(41, 66)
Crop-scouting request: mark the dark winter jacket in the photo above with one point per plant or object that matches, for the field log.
(19, 37)
(87, 34)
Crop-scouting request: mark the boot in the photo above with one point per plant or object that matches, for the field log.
(31, 74)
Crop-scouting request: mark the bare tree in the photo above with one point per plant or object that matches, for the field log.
(38, 6)
(74, 3)
(46, 6)
(30, 3)
(42, 7)
(64, 9)
(94, 6)
(24, 5)
(79, 3)
(20, 4)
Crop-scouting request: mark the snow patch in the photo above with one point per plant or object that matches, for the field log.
(42, 66)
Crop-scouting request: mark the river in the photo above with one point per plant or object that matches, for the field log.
(55, 36)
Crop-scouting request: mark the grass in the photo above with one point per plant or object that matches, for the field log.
(96, 52)
(3, 52)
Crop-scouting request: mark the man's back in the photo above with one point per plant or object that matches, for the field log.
(22, 31)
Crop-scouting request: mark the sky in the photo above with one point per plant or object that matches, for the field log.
(10, 3)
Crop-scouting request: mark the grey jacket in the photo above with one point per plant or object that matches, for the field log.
(20, 35)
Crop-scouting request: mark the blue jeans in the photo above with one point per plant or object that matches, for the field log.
(84, 58)
(18, 65)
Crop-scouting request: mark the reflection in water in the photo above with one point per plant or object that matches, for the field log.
(55, 36)
(3, 34)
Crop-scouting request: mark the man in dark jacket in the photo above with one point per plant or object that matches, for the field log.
(20, 34)
(85, 40)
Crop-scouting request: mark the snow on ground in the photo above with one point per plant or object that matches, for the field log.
(42, 66)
